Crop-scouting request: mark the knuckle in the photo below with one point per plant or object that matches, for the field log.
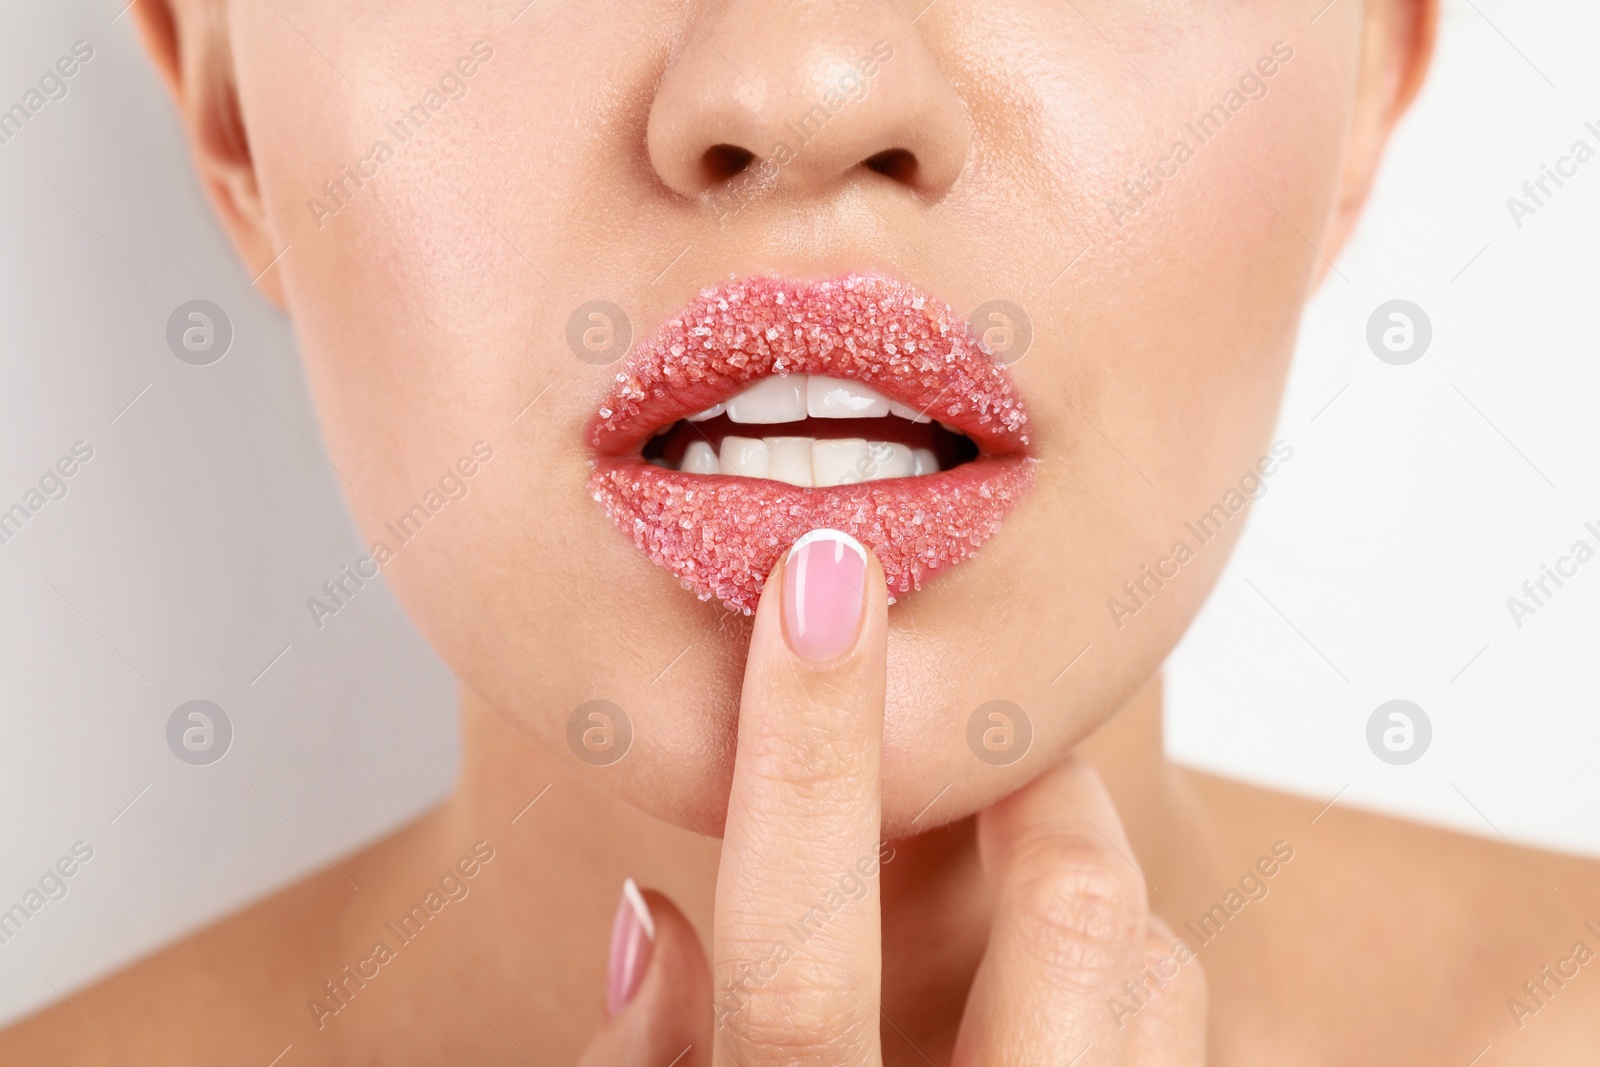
(1176, 971)
(810, 1015)
(1172, 1018)
(1192, 992)
(1196, 990)
(812, 760)
(1082, 914)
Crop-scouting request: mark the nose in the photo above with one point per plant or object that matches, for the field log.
(807, 98)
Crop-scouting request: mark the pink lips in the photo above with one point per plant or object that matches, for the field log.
(722, 535)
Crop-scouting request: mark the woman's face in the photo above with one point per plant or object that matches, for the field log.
(483, 202)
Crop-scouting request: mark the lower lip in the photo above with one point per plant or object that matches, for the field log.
(723, 535)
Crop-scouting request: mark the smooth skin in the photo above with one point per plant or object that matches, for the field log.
(430, 311)
(1072, 922)
(431, 307)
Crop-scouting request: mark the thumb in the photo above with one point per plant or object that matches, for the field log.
(658, 989)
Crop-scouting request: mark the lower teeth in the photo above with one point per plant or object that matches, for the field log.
(807, 461)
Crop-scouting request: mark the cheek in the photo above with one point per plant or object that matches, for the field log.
(1195, 214)
(385, 268)
(1161, 353)
(1173, 221)
(427, 295)
(434, 261)
(431, 304)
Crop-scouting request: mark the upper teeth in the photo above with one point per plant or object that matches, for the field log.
(790, 398)
(807, 461)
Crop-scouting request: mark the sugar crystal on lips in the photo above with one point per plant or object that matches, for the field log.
(721, 535)
(730, 335)
(724, 538)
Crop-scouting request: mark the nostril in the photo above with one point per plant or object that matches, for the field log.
(722, 161)
(896, 164)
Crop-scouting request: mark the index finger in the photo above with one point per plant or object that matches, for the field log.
(797, 944)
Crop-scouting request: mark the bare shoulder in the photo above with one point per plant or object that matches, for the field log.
(169, 1007)
(235, 991)
(1441, 944)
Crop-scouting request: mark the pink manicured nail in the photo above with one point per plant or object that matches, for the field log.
(633, 934)
(824, 583)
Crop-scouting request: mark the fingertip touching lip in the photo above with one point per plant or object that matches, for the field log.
(717, 510)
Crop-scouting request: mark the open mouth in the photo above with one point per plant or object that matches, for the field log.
(769, 408)
(811, 431)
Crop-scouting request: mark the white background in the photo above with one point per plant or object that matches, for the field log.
(1421, 497)
(1377, 566)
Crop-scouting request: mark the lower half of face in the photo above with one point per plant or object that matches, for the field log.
(603, 305)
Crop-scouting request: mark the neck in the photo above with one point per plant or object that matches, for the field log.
(1168, 826)
(572, 848)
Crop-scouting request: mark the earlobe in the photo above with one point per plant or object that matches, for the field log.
(189, 46)
(1397, 47)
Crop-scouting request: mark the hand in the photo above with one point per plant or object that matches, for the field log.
(798, 941)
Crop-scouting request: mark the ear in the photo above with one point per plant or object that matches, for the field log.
(1397, 46)
(189, 44)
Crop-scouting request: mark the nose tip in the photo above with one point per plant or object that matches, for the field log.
(782, 95)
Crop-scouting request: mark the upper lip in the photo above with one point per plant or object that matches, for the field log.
(879, 331)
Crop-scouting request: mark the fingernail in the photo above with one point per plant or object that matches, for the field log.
(633, 934)
(824, 582)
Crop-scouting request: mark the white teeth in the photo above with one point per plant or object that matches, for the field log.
(700, 458)
(771, 400)
(789, 459)
(745, 456)
(893, 460)
(806, 461)
(790, 398)
(905, 411)
(836, 398)
(843, 461)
